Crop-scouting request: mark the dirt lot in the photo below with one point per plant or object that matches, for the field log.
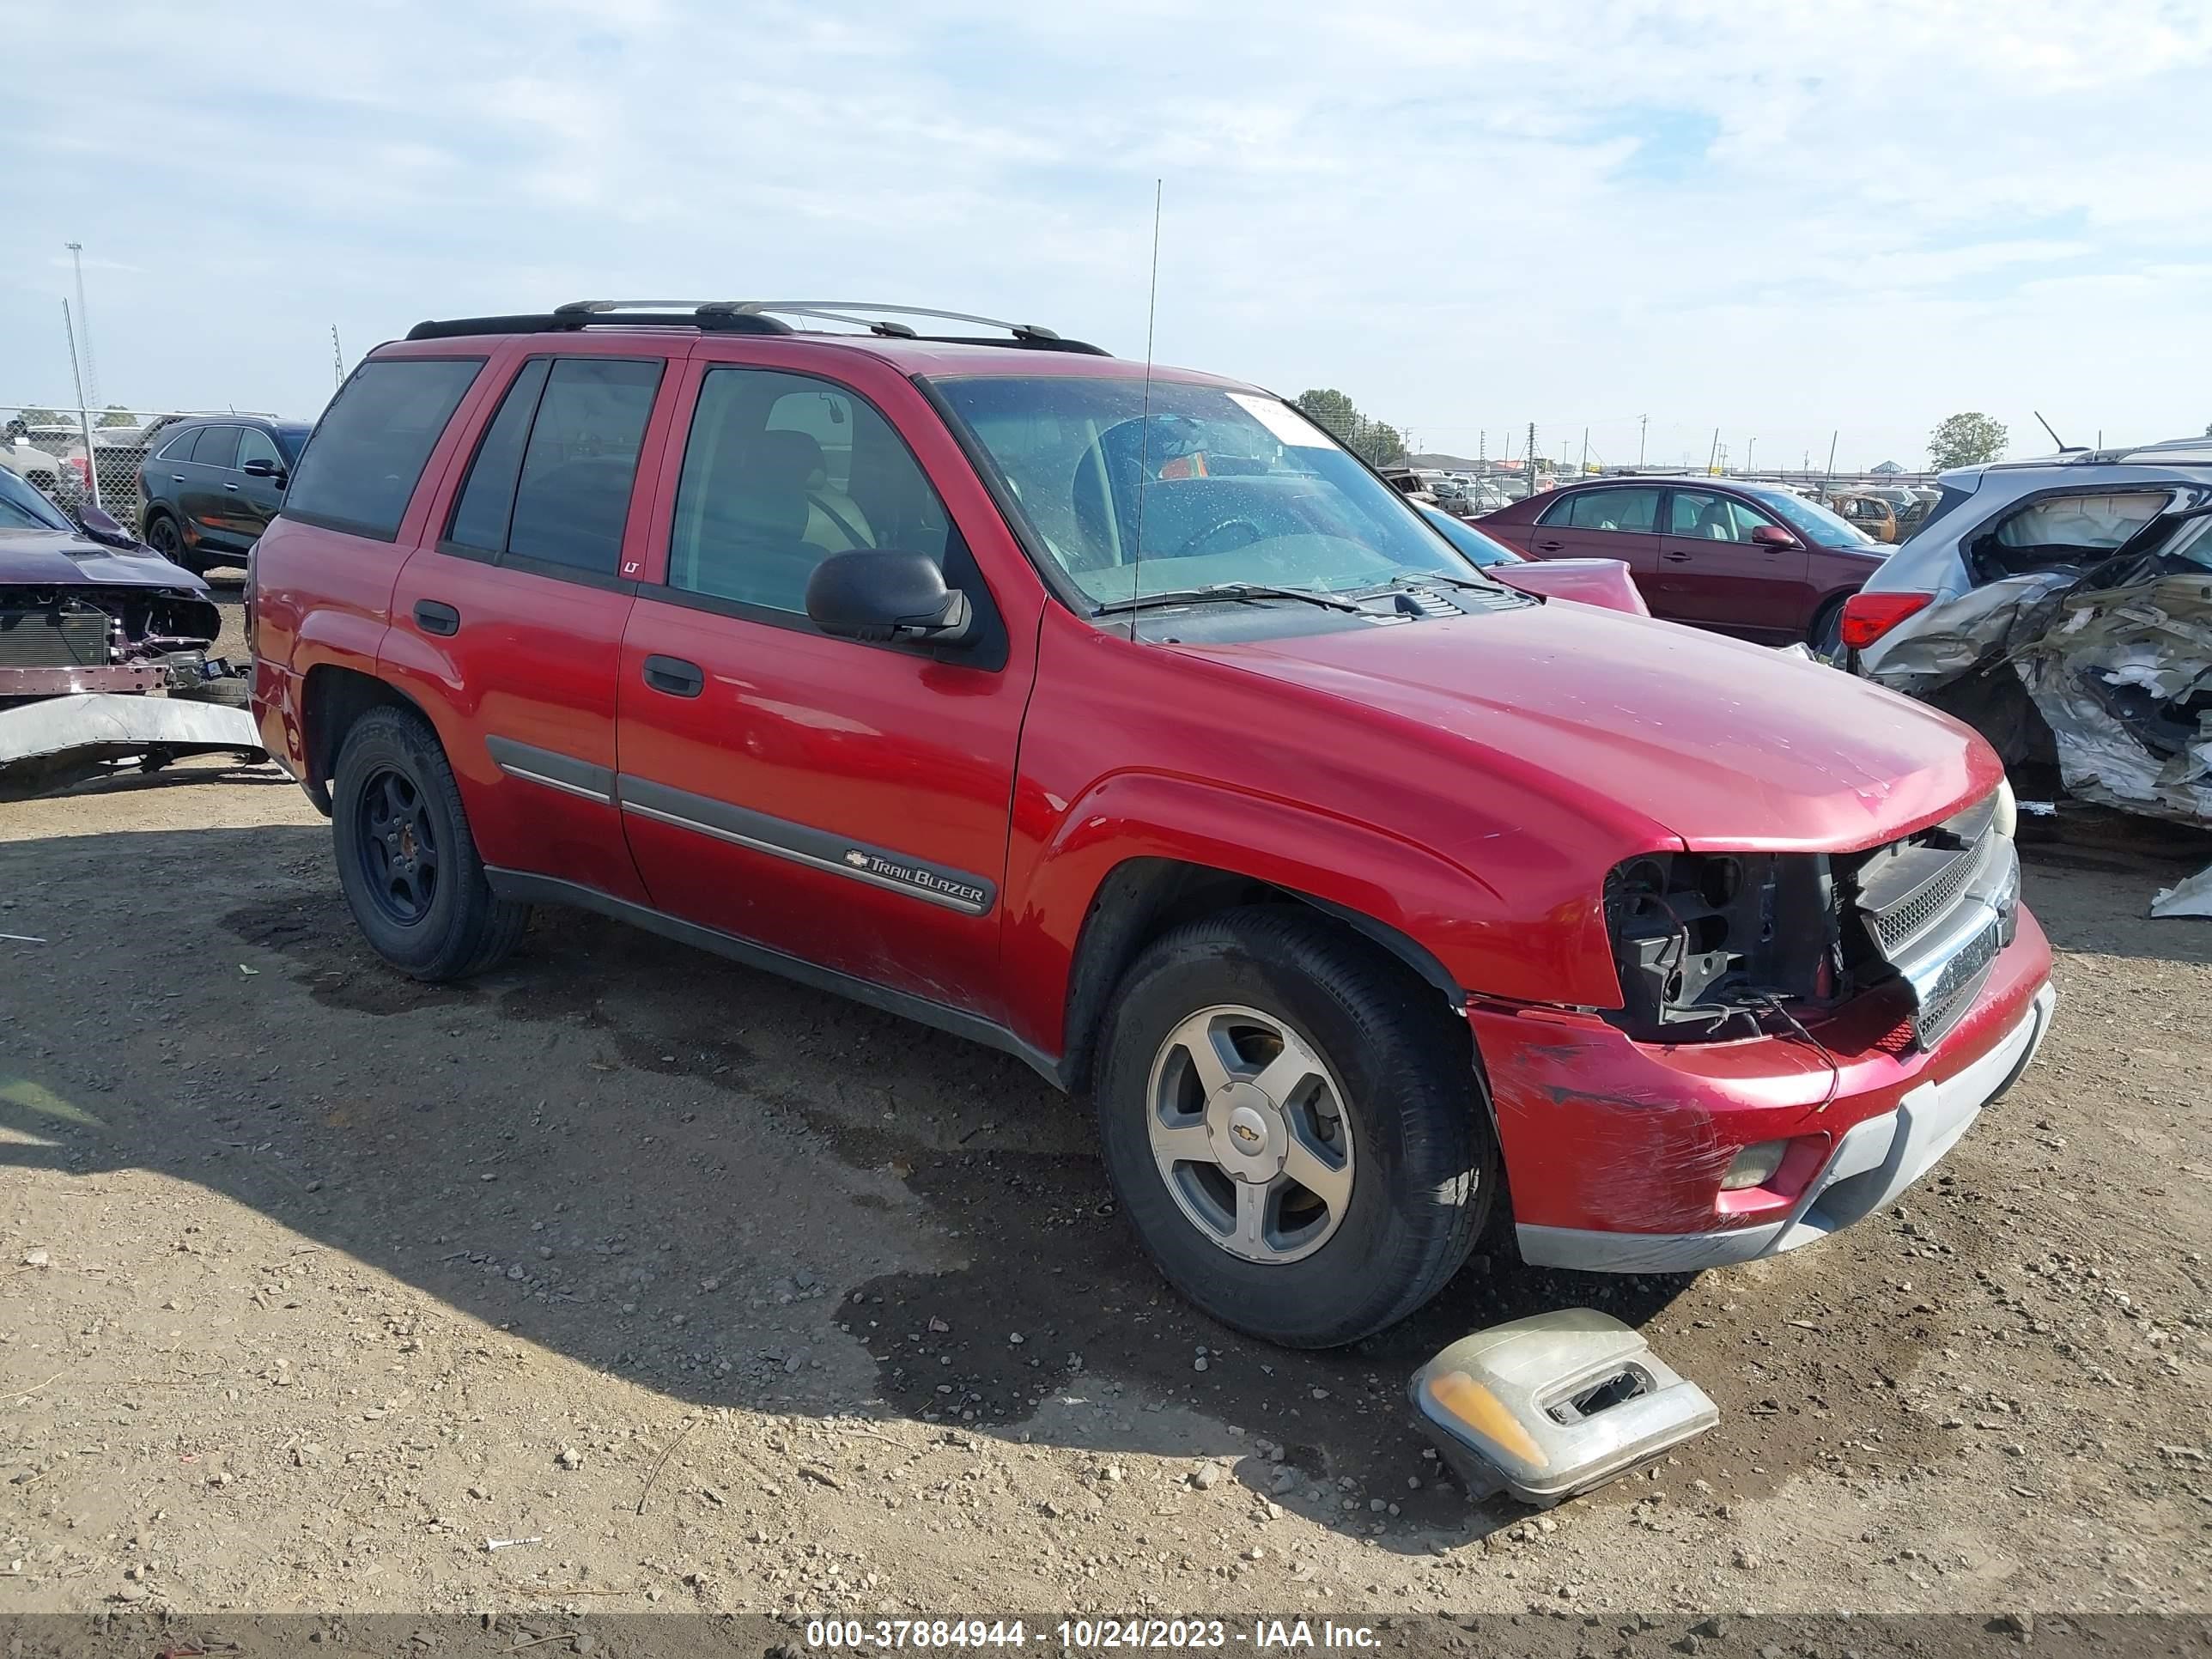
(723, 1294)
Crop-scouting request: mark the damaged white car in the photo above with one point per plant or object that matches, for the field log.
(2063, 609)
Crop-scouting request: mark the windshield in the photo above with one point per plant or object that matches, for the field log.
(22, 507)
(1211, 487)
(1812, 521)
(1470, 541)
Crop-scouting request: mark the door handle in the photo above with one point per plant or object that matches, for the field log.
(230, 486)
(176, 477)
(675, 675)
(433, 618)
(1550, 547)
(1673, 557)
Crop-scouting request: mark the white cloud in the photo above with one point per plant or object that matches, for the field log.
(1782, 219)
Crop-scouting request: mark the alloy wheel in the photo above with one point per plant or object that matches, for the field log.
(1249, 1129)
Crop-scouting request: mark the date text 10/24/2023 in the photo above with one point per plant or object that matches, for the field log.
(1089, 1635)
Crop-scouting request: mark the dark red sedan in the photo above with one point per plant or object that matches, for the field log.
(1748, 559)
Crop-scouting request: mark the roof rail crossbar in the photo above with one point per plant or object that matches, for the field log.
(832, 310)
(748, 317)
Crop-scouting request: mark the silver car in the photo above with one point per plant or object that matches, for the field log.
(2063, 609)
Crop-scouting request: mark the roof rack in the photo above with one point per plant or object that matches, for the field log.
(750, 316)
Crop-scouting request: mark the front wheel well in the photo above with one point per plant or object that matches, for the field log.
(331, 700)
(1141, 899)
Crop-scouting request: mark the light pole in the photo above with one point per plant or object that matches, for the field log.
(91, 392)
(1747, 443)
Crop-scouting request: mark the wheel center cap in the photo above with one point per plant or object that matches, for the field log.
(1246, 1132)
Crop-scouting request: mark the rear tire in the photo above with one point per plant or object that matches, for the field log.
(1404, 1136)
(1825, 638)
(407, 862)
(165, 537)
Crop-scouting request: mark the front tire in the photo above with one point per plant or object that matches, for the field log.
(1292, 1124)
(406, 860)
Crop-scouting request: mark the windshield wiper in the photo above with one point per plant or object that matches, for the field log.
(1219, 591)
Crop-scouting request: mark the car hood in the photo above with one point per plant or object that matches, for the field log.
(56, 558)
(1724, 744)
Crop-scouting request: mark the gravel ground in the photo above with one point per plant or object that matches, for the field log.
(718, 1293)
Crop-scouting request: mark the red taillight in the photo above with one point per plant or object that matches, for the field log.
(1868, 617)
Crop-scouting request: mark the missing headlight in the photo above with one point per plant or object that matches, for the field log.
(1705, 941)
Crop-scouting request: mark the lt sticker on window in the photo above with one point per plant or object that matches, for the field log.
(1286, 424)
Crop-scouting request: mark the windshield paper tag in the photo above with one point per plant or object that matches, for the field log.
(1287, 425)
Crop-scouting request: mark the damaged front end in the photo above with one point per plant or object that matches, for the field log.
(1801, 1036)
(61, 640)
(1711, 947)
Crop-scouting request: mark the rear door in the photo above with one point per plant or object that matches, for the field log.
(511, 622)
(1609, 521)
(210, 508)
(840, 802)
(1712, 574)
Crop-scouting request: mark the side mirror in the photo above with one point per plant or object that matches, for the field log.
(1773, 536)
(265, 469)
(102, 528)
(884, 596)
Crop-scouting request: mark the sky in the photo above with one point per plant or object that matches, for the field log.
(1786, 224)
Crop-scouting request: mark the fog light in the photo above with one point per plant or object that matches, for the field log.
(1754, 1166)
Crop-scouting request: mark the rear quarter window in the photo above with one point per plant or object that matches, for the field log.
(369, 449)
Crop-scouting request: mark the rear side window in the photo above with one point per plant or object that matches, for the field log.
(550, 483)
(1633, 510)
(180, 447)
(371, 444)
(216, 446)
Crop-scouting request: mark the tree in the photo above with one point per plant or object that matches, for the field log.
(40, 417)
(1966, 439)
(1378, 444)
(1331, 410)
(116, 414)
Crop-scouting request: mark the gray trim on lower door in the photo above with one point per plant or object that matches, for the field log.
(819, 849)
(553, 770)
(521, 887)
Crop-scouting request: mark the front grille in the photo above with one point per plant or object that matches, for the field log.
(1934, 900)
(1947, 1001)
(68, 636)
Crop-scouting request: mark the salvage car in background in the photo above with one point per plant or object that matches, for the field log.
(211, 486)
(83, 608)
(2063, 609)
(1591, 581)
(1753, 560)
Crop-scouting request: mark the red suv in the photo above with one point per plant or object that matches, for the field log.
(1748, 559)
(1122, 719)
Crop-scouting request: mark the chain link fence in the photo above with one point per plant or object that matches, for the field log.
(88, 457)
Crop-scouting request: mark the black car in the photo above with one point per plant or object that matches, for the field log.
(212, 484)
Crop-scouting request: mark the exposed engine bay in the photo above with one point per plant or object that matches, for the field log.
(105, 637)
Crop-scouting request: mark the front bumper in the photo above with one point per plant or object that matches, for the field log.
(1614, 1150)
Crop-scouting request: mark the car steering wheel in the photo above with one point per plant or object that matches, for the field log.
(1193, 545)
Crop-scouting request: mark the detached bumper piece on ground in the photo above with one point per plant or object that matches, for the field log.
(62, 740)
(1551, 1406)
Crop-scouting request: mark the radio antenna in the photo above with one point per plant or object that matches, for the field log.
(2047, 426)
(1145, 425)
